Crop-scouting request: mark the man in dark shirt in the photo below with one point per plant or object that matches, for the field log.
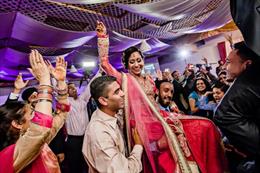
(238, 114)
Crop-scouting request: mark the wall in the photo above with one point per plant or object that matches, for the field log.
(209, 50)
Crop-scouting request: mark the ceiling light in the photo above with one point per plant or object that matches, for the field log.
(184, 53)
(89, 64)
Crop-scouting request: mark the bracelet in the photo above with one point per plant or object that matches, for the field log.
(62, 97)
(44, 96)
(102, 35)
(49, 86)
(63, 107)
(45, 89)
(44, 100)
(62, 92)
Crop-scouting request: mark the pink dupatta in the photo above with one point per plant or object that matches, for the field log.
(202, 136)
(151, 127)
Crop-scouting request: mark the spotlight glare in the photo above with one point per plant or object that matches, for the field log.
(184, 53)
(89, 64)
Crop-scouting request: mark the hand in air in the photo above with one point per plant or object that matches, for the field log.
(159, 74)
(38, 67)
(101, 28)
(60, 71)
(19, 83)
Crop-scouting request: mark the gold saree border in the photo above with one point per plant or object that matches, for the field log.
(125, 88)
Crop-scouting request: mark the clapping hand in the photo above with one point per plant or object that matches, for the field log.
(38, 67)
(60, 71)
(159, 74)
(229, 39)
(205, 60)
(19, 83)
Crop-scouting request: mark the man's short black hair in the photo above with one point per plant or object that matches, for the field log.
(98, 87)
(28, 92)
(71, 83)
(223, 87)
(174, 72)
(245, 52)
(159, 83)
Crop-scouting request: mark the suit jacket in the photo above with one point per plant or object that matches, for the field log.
(11, 100)
(238, 114)
(246, 14)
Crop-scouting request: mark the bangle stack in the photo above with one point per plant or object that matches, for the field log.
(45, 93)
(62, 94)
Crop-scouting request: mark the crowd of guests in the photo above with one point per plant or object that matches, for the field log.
(129, 122)
(197, 91)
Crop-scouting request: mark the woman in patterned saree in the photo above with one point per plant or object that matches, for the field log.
(173, 143)
(25, 132)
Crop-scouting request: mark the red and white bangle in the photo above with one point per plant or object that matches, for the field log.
(102, 35)
(63, 107)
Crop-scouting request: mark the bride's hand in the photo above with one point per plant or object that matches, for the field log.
(101, 28)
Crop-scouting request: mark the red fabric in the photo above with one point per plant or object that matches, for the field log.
(46, 162)
(202, 136)
(6, 159)
(37, 166)
(222, 51)
(204, 140)
(6, 162)
(205, 143)
(166, 162)
(42, 119)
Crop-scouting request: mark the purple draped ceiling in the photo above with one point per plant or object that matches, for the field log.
(179, 9)
(22, 29)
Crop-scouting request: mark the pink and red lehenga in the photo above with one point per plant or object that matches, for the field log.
(192, 144)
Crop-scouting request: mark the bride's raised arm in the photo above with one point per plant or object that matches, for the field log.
(103, 49)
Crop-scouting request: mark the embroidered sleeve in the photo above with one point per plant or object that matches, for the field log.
(103, 47)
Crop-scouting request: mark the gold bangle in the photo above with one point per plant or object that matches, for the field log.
(62, 92)
(44, 97)
(45, 88)
(62, 97)
(44, 100)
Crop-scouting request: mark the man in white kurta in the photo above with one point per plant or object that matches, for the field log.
(103, 146)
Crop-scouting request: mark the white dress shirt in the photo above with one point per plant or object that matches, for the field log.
(77, 120)
(104, 149)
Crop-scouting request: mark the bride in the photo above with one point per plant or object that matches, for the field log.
(173, 143)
